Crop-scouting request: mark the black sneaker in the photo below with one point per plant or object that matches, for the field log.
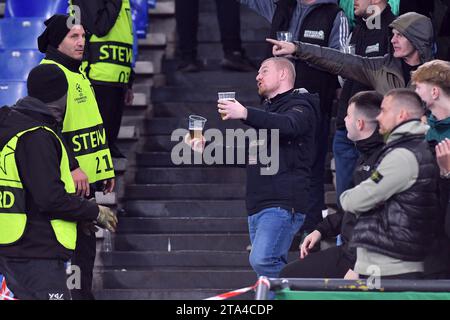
(237, 61)
(190, 66)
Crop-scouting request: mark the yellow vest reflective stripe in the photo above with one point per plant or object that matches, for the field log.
(83, 128)
(13, 217)
(110, 56)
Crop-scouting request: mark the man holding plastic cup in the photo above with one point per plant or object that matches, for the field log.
(319, 22)
(285, 124)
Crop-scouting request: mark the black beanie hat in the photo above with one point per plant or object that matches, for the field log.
(43, 83)
(55, 32)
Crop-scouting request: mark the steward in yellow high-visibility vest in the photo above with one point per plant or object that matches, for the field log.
(82, 129)
(38, 209)
(108, 59)
(72, 100)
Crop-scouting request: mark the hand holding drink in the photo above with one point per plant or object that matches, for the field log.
(195, 137)
(231, 109)
(228, 96)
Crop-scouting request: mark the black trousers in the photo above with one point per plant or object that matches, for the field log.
(35, 279)
(329, 263)
(111, 103)
(317, 184)
(187, 12)
(84, 258)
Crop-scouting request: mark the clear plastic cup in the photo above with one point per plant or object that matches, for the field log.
(196, 126)
(231, 96)
(284, 36)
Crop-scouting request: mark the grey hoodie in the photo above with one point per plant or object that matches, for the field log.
(381, 73)
(339, 33)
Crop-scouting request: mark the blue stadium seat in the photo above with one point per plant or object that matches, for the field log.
(151, 4)
(20, 33)
(139, 13)
(35, 8)
(16, 64)
(10, 92)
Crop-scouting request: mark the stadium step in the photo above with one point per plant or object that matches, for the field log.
(190, 175)
(183, 225)
(165, 126)
(161, 294)
(229, 260)
(201, 94)
(184, 109)
(186, 208)
(186, 191)
(175, 279)
(205, 242)
(216, 77)
(176, 242)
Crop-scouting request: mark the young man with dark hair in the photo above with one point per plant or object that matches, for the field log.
(335, 262)
(370, 38)
(396, 207)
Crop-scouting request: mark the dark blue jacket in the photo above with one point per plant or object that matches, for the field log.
(295, 115)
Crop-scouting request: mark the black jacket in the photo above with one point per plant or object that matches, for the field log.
(342, 222)
(368, 43)
(38, 157)
(402, 226)
(295, 115)
(99, 17)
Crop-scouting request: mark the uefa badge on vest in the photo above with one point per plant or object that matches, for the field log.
(82, 97)
(319, 35)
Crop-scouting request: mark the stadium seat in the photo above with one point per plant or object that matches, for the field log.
(34, 8)
(10, 92)
(20, 33)
(139, 14)
(16, 64)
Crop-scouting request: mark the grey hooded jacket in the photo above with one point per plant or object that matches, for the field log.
(382, 73)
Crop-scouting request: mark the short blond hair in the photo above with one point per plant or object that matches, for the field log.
(283, 63)
(436, 72)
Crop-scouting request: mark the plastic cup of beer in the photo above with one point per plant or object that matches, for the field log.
(231, 96)
(284, 36)
(196, 126)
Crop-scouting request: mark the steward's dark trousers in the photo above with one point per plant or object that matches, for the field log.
(35, 279)
(187, 12)
(84, 258)
(111, 103)
(329, 263)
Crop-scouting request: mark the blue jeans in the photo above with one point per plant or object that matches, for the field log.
(345, 157)
(271, 233)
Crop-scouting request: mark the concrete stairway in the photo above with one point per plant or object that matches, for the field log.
(182, 229)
